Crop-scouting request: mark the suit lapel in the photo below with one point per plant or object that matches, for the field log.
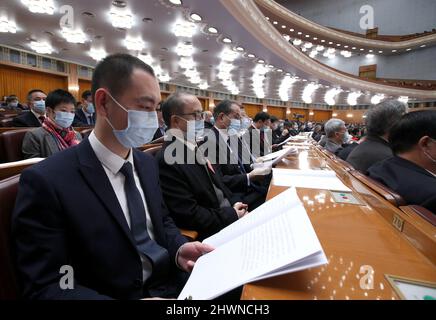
(95, 176)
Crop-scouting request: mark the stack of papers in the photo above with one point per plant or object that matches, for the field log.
(276, 238)
(312, 179)
(276, 157)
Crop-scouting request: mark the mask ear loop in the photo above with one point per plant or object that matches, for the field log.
(114, 100)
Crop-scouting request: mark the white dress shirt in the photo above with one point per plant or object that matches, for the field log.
(112, 164)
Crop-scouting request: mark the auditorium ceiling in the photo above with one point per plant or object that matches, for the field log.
(159, 32)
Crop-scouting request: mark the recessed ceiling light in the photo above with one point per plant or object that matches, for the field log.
(354, 48)
(371, 51)
(196, 17)
(227, 40)
(362, 49)
(275, 22)
(240, 49)
(380, 51)
(212, 30)
(307, 36)
(423, 46)
(119, 3)
(250, 55)
(299, 32)
(283, 27)
(345, 47)
(408, 49)
(322, 40)
(176, 2)
(338, 45)
(330, 42)
(261, 61)
(121, 19)
(315, 38)
(370, 56)
(394, 50)
(292, 30)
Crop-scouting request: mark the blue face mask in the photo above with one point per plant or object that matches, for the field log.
(212, 121)
(39, 106)
(245, 123)
(90, 108)
(234, 127)
(141, 127)
(64, 119)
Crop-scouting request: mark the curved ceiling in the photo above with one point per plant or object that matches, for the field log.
(253, 39)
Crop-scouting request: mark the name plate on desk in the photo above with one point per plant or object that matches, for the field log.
(410, 289)
(345, 197)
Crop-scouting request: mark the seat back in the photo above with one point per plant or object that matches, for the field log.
(422, 212)
(390, 195)
(11, 143)
(86, 132)
(7, 122)
(8, 193)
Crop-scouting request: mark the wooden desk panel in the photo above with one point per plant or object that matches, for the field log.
(353, 237)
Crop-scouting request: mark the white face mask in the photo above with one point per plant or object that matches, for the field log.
(141, 127)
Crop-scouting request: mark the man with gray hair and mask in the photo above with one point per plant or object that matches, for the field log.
(337, 136)
(375, 148)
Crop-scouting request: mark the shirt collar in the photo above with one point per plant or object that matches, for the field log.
(110, 160)
(223, 133)
(37, 115)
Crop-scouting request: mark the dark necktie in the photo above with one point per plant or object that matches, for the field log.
(138, 224)
(41, 119)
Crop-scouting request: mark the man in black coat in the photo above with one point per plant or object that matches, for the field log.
(193, 190)
(412, 171)
(117, 241)
(35, 117)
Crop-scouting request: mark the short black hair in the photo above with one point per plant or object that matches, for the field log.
(223, 107)
(86, 94)
(57, 97)
(412, 127)
(12, 97)
(114, 72)
(173, 105)
(29, 94)
(274, 119)
(262, 116)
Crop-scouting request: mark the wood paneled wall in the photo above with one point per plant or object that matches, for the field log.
(20, 81)
(84, 85)
(252, 109)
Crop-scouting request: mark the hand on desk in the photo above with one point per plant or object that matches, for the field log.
(241, 209)
(189, 253)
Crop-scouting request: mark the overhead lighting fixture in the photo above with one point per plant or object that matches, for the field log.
(275, 22)
(184, 29)
(296, 42)
(308, 91)
(73, 36)
(227, 40)
(97, 54)
(7, 25)
(212, 30)
(184, 50)
(408, 49)
(394, 50)
(41, 47)
(148, 59)
(322, 40)
(352, 98)
(311, 113)
(240, 49)
(229, 55)
(186, 63)
(362, 49)
(313, 54)
(370, 56)
(403, 99)
(176, 2)
(134, 44)
(261, 61)
(334, 114)
(307, 36)
(300, 33)
(286, 84)
(292, 30)
(283, 27)
(308, 45)
(196, 17)
(330, 96)
(423, 46)
(164, 77)
(203, 86)
(354, 48)
(319, 48)
(121, 18)
(380, 51)
(250, 55)
(376, 99)
(40, 6)
(349, 115)
(346, 54)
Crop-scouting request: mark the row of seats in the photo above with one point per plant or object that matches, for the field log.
(12, 140)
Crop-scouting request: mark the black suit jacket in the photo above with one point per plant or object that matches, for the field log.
(67, 213)
(415, 184)
(369, 152)
(189, 193)
(26, 119)
(81, 121)
(258, 141)
(158, 134)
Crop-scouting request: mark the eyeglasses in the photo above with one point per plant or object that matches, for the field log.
(197, 115)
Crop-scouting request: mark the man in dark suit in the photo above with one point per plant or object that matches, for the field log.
(193, 190)
(338, 138)
(375, 147)
(160, 132)
(35, 117)
(85, 116)
(118, 241)
(224, 138)
(412, 171)
(259, 136)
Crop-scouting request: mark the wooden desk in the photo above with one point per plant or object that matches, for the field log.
(353, 237)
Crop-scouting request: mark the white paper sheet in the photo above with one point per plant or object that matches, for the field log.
(312, 179)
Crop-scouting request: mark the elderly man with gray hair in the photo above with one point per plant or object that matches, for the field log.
(336, 136)
(375, 148)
